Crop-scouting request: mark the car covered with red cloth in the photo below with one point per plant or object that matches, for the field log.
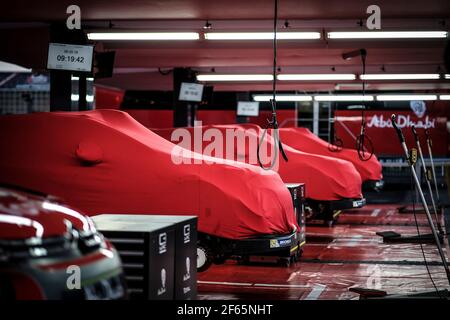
(303, 139)
(326, 178)
(331, 184)
(106, 162)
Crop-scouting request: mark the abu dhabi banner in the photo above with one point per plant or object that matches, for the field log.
(379, 129)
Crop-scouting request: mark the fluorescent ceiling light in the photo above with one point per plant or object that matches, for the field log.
(447, 76)
(406, 97)
(143, 36)
(405, 76)
(349, 86)
(387, 35)
(343, 98)
(444, 97)
(316, 77)
(234, 77)
(262, 35)
(281, 98)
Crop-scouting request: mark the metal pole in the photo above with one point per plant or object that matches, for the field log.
(416, 137)
(424, 202)
(432, 166)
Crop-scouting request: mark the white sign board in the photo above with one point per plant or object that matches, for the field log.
(191, 92)
(71, 57)
(248, 109)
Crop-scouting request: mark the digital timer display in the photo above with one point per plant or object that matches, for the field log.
(63, 58)
(70, 57)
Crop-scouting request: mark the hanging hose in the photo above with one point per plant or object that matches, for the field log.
(275, 148)
(363, 142)
(273, 123)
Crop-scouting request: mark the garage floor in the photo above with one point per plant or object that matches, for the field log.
(337, 258)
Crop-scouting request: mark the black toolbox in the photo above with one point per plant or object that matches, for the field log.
(185, 254)
(147, 251)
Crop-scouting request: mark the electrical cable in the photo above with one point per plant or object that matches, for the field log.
(362, 140)
(278, 146)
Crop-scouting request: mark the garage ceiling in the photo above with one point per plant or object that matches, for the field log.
(45, 10)
(137, 63)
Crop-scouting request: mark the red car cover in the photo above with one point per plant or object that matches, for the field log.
(106, 162)
(326, 178)
(304, 140)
